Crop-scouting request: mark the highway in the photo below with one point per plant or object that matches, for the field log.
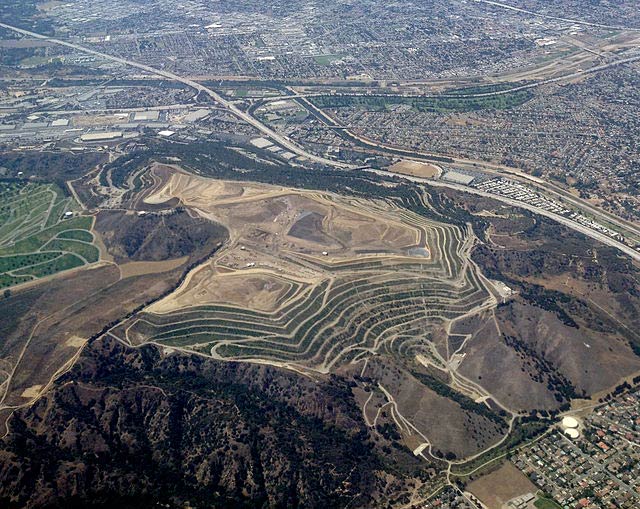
(594, 234)
(296, 149)
(556, 18)
(627, 228)
(266, 131)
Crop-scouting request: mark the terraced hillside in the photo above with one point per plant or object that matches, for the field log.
(322, 283)
(41, 233)
(314, 280)
(372, 290)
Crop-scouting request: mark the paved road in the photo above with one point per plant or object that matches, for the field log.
(266, 131)
(627, 227)
(557, 18)
(558, 218)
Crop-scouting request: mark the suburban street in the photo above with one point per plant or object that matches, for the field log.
(269, 133)
(625, 226)
(295, 148)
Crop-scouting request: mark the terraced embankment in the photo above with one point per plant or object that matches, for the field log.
(313, 280)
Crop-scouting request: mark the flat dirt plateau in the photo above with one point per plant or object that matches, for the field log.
(416, 169)
(273, 230)
(306, 222)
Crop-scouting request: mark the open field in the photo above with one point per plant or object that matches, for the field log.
(132, 269)
(545, 503)
(41, 233)
(326, 59)
(415, 169)
(502, 485)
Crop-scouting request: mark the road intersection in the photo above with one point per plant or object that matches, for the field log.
(285, 142)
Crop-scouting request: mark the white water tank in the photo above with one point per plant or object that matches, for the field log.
(569, 423)
(572, 433)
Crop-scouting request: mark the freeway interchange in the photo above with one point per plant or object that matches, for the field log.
(280, 140)
(625, 228)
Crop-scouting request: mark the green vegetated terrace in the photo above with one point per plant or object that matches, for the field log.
(546, 503)
(326, 59)
(443, 104)
(41, 233)
(484, 89)
(320, 327)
